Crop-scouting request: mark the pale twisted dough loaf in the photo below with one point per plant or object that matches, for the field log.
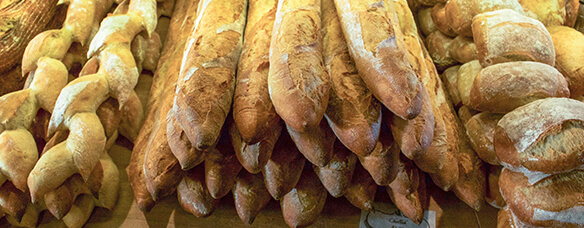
(78, 101)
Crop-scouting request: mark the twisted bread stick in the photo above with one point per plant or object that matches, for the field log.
(77, 103)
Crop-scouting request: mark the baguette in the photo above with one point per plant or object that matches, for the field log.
(361, 192)
(207, 72)
(450, 79)
(303, 204)
(250, 196)
(283, 170)
(440, 19)
(253, 111)
(161, 168)
(463, 49)
(493, 195)
(381, 163)
(187, 155)
(481, 131)
(471, 186)
(503, 87)
(299, 85)
(427, 25)
(550, 13)
(170, 59)
(408, 189)
(531, 41)
(221, 167)
(253, 157)
(353, 113)
(460, 13)
(555, 201)
(415, 136)
(193, 195)
(315, 143)
(381, 57)
(551, 144)
(337, 174)
(568, 44)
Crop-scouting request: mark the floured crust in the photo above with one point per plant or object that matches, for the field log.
(555, 201)
(253, 111)
(507, 36)
(463, 49)
(381, 57)
(544, 136)
(298, 82)
(439, 18)
(206, 82)
(353, 113)
(503, 87)
(460, 13)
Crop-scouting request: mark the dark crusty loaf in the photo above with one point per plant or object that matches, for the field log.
(193, 195)
(353, 113)
(361, 192)
(298, 82)
(506, 36)
(250, 195)
(282, 171)
(303, 204)
(503, 87)
(337, 174)
(544, 136)
(376, 44)
(221, 167)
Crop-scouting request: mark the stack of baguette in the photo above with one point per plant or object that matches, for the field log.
(327, 96)
(514, 103)
(56, 132)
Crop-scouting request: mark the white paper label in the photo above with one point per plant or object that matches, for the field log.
(388, 216)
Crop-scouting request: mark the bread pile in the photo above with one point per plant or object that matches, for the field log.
(56, 132)
(327, 96)
(521, 65)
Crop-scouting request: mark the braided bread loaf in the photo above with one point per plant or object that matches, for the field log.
(77, 103)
